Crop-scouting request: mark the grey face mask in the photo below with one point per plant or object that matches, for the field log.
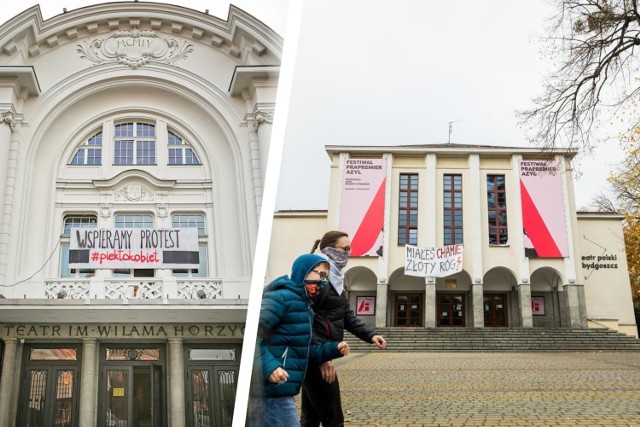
(338, 256)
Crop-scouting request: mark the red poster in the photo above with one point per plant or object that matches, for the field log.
(362, 208)
(543, 217)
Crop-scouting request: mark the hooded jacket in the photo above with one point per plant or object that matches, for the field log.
(285, 330)
(333, 315)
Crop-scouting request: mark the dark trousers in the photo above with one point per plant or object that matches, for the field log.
(320, 401)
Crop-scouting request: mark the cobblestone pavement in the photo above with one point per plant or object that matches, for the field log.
(490, 389)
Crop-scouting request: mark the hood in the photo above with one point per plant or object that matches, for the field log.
(303, 265)
(299, 270)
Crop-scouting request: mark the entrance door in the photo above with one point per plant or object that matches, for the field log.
(495, 310)
(450, 309)
(49, 386)
(408, 310)
(49, 398)
(132, 396)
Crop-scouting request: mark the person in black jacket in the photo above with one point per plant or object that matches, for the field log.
(320, 398)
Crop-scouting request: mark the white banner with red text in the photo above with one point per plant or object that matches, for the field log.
(123, 248)
(433, 262)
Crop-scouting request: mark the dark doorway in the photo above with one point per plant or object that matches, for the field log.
(408, 310)
(495, 310)
(131, 389)
(450, 310)
(212, 373)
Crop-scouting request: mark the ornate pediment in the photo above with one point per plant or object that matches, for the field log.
(135, 47)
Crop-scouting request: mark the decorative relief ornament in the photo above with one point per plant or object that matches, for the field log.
(260, 117)
(135, 48)
(105, 210)
(133, 193)
(162, 210)
(8, 117)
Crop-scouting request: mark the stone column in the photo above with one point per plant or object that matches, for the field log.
(575, 301)
(8, 380)
(382, 292)
(524, 298)
(477, 296)
(430, 302)
(89, 383)
(177, 416)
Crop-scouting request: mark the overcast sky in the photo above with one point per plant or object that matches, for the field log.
(397, 72)
(385, 72)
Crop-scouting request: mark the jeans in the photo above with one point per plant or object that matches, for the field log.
(280, 412)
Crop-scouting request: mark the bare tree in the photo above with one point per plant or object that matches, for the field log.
(594, 43)
(602, 203)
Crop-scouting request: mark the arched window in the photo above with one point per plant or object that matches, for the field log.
(90, 152)
(134, 144)
(180, 153)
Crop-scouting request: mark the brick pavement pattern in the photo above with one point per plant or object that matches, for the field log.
(490, 389)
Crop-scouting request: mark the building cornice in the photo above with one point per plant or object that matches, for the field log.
(240, 34)
(449, 149)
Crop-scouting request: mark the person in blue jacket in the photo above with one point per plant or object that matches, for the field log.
(284, 337)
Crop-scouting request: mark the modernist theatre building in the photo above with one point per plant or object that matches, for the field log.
(467, 236)
(133, 144)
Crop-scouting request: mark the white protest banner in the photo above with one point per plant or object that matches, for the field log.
(433, 262)
(133, 248)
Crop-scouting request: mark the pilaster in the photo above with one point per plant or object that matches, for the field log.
(177, 415)
(8, 380)
(87, 413)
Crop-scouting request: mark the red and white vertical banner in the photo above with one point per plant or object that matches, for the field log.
(362, 205)
(543, 209)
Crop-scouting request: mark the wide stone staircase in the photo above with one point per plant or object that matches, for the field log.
(498, 340)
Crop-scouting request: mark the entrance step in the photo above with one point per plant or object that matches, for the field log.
(498, 340)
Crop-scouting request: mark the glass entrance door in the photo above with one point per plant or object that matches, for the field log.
(50, 399)
(132, 396)
(49, 387)
(495, 310)
(450, 309)
(408, 310)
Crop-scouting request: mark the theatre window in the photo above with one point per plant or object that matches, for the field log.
(408, 210)
(180, 153)
(77, 221)
(189, 220)
(89, 152)
(452, 202)
(134, 143)
(497, 210)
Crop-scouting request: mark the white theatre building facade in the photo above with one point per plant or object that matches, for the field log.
(468, 236)
(133, 144)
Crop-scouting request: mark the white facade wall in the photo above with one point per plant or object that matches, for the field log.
(572, 298)
(210, 82)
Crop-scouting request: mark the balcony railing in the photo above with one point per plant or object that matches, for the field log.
(134, 289)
